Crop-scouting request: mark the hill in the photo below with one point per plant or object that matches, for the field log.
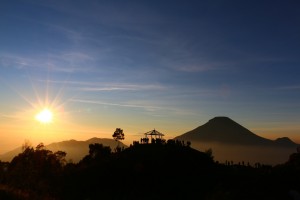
(231, 141)
(143, 171)
(163, 170)
(75, 150)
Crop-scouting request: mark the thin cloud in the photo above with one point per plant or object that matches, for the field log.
(195, 68)
(290, 87)
(6, 116)
(71, 56)
(181, 57)
(114, 104)
(95, 89)
(167, 107)
(190, 64)
(156, 111)
(67, 82)
(67, 62)
(13, 61)
(125, 87)
(99, 86)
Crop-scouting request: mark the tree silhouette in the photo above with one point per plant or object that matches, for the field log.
(36, 169)
(98, 151)
(209, 152)
(118, 135)
(26, 145)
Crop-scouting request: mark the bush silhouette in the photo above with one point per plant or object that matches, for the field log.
(36, 169)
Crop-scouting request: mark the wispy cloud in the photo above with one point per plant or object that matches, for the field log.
(60, 62)
(167, 107)
(115, 104)
(182, 55)
(290, 87)
(95, 89)
(14, 61)
(105, 86)
(200, 67)
(128, 87)
(14, 116)
(67, 82)
(6, 116)
(154, 111)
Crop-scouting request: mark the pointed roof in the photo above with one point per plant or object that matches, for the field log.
(154, 132)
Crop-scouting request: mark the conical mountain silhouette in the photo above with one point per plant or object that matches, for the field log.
(225, 130)
(231, 141)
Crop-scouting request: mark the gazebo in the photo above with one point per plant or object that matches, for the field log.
(154, 136)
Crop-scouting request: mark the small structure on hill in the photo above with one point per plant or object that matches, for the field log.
(155, 137)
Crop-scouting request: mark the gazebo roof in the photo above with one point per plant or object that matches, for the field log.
(154, 132)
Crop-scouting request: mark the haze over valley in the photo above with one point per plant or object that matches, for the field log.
(228, 140)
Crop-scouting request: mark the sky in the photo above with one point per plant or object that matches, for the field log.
(140, 65)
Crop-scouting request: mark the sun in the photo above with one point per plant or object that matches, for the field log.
(45, 116)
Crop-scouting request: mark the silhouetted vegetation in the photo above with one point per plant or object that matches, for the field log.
(118, 135)
(158, 170)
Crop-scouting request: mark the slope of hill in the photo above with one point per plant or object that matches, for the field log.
(75, 150)
(231, 141)
(145, 171)
(8, 156)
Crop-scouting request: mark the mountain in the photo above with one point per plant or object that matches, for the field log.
(285, 141)
(231, 141)
(75, 150)
(224, 130)
(8, 156)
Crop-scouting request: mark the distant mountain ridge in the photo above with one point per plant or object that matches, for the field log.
(75, 150)
(285, 141)
(225, 130)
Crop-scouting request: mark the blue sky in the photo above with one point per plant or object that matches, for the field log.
(139, 65)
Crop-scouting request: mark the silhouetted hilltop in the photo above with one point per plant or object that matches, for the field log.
(225, 130)
(143, 171)
(166, 153)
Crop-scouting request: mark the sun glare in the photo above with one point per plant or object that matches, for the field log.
(45, 116)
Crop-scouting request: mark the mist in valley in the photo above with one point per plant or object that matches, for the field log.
(269, 155)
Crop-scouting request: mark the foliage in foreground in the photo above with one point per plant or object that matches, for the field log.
(162, 170)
